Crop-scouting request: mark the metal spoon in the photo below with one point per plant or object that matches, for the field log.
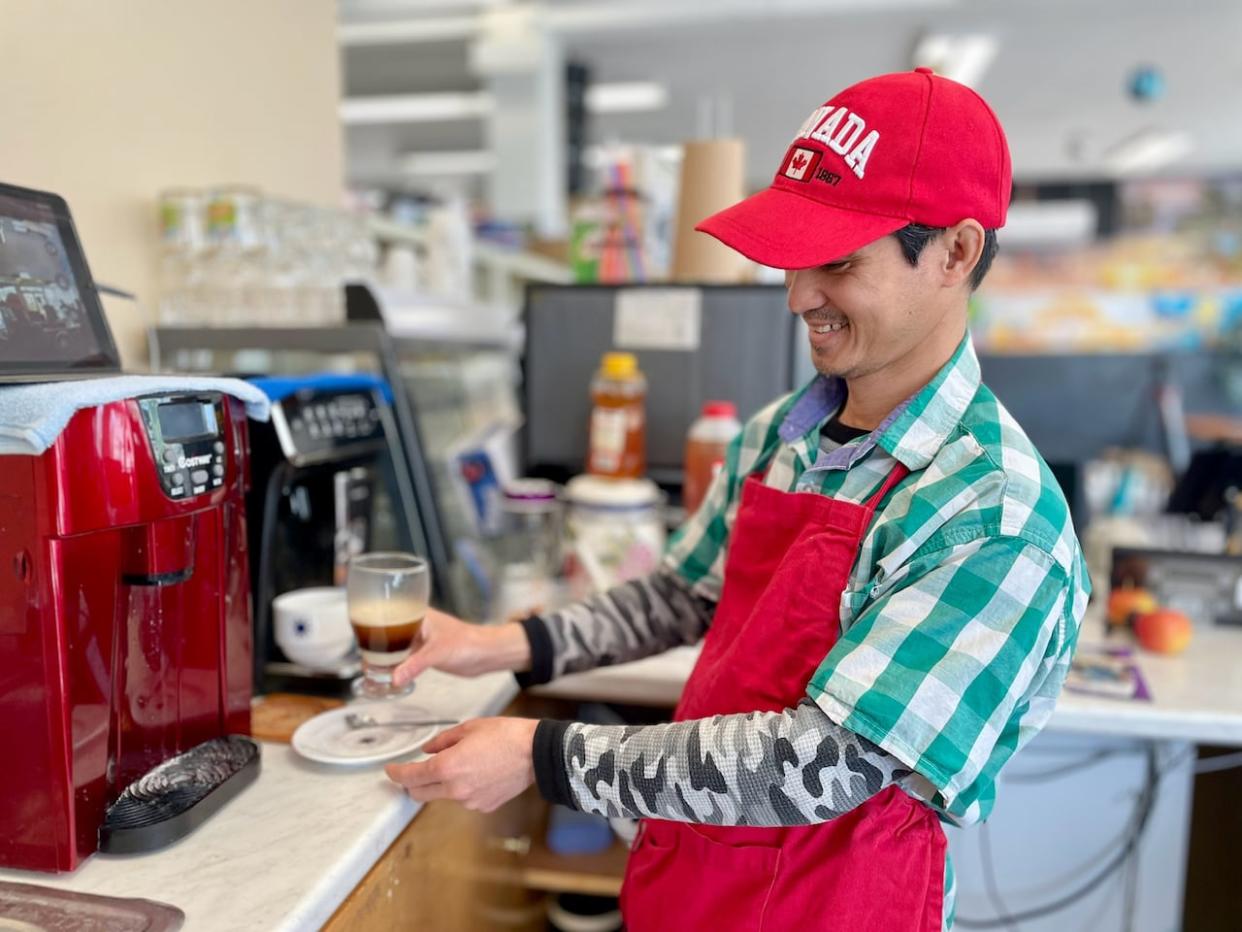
(358, 720)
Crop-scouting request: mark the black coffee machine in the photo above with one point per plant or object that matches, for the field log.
(328, 480)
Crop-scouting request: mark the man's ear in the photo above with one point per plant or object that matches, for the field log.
(963, 244)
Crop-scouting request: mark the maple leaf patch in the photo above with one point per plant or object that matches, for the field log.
(800, 164)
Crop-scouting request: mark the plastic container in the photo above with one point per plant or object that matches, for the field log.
(617, 445)
(577, 912)
(614, 531)
(708, 438)
(572, 833)
(528, 549)
(530, 522)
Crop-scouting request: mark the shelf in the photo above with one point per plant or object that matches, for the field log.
(524, 265)
(518, 854)
(414, 318)
(593, 874)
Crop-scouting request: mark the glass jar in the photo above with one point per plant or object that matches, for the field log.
(181, 213)
(528, 549)
(234, 257)
(614, 531)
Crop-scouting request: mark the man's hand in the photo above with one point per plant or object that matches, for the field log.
(452, 645)
(482, 764)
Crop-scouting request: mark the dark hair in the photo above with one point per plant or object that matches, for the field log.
(914, 236)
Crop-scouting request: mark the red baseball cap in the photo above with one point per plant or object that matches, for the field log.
(911, 147)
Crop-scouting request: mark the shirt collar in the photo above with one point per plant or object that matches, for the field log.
(913, 432)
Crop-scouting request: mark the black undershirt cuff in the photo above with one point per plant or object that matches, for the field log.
(541, 653)
(548, 756)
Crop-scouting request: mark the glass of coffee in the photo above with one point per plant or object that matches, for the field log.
(388, 596)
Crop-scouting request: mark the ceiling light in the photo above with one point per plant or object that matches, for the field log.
(1147, 150)
(408, 31)
(620, 97)
(444, 164)
(626, 97)
(414, 108)
(962, 58)
(600, 156)
(1058, 224)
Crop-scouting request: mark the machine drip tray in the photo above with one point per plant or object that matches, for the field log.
(174, 798)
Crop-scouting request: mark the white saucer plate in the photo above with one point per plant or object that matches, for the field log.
(327, 738)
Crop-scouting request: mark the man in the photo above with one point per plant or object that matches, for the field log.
(885, 571)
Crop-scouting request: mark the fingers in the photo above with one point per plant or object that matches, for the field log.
(435, 617)
(425, 780)
(426, 657)
(420, 773)
(425, 794)
(446, 739)
(439, 641)
(480, 764)
(436, 770)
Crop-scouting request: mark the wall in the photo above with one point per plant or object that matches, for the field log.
(107, 103)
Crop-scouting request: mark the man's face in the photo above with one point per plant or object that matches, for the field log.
(869, 309)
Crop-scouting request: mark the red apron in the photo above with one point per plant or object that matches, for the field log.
(879, 866)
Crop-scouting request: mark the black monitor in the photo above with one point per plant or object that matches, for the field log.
(733, 342)
(51, 321)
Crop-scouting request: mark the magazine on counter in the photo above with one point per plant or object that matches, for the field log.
(1106, 670)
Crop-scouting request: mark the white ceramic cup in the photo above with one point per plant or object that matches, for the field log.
(312, 626)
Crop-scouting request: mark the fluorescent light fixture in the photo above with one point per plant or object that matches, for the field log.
(414, 108)
(1063, 223)
(568, 19)
(963, 58)
(626, 97)
(597, 156)
(409, 22)
(446, 164)
(1147, 150)
(408, 31)
(622, 97)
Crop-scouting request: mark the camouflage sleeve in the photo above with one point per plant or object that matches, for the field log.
(760, 768)
(635, 619)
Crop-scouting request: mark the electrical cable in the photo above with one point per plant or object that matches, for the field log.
(1142, 813)
(1130, 897)
(1052, 773)
(1207, 765)
(1223, 762)
(989, 876)
(1177, 762)
(1127, 857)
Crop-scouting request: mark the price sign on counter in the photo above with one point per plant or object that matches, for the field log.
(657, 319)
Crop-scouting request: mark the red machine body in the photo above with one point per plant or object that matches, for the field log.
(125, 631)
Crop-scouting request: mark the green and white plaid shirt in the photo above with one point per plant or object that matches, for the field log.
(963, 607)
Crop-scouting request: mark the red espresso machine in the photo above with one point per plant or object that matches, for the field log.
(125, 632)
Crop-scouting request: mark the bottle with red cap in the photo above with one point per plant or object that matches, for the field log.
(709, 437)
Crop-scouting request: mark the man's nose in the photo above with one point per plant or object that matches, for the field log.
(803, 292)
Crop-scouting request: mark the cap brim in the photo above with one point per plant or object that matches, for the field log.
(784, 230)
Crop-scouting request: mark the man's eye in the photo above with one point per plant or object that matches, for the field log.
(836, 266)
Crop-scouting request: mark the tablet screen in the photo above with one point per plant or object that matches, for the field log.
(51, 320)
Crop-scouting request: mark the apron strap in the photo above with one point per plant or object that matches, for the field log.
(899, 472)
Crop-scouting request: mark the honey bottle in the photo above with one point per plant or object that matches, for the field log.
(617, 445)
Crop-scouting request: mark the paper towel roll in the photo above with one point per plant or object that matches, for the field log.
(713, 177)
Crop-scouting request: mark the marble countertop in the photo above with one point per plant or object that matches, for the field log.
(287, 851)
(1196, 696)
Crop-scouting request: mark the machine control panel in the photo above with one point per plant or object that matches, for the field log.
(316, 425)
(187, 439)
